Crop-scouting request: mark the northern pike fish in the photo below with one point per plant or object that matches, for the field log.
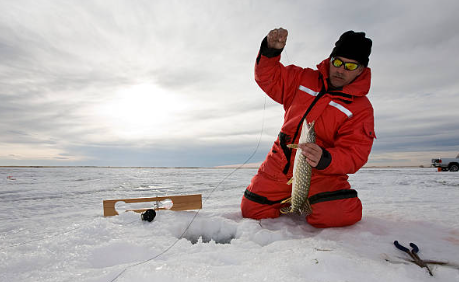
(302, 172)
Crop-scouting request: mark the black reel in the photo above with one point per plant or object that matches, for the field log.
(149, 215)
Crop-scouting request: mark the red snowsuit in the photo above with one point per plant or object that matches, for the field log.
(344, 126)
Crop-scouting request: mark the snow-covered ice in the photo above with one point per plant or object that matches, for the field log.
(53, 229)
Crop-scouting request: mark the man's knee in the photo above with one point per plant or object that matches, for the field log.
(255, 210)
(336, 213)
(264, 192)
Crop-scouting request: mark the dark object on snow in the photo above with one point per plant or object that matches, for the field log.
(413, 254)
(149, 215)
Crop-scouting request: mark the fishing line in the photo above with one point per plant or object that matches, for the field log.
(286, 55)
(205, 200)
(187, 228)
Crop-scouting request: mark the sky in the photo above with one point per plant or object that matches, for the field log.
(170, 82)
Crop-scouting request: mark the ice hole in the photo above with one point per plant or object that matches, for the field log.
(204, 238)
(206, 231)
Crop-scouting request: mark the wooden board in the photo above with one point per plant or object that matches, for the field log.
(180, 203)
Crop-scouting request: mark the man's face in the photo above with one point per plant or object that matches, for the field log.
(339, 76)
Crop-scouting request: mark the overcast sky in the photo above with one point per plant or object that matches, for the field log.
(170, 83)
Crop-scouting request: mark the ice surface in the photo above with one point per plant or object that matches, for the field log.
(52, 229)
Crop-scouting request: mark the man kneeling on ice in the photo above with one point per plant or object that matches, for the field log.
(332, 101)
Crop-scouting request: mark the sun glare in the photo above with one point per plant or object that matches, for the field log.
(141, 110)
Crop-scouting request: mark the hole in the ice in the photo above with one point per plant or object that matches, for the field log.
(195, 238)
(211, 230)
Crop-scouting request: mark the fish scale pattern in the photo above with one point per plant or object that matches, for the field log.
(302, 172)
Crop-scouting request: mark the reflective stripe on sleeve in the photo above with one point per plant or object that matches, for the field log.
(307, 90)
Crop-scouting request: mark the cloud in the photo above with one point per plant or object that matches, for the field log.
(68, 70)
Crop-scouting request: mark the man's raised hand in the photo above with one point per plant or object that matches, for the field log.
(277, 38)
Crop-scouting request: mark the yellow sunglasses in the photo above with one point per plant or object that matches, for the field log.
(337, 63)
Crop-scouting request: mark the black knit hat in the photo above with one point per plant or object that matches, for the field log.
(353, 45)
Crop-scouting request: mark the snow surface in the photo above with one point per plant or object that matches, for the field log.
(52, 229)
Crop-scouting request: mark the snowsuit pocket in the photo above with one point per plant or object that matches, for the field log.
(369, 129)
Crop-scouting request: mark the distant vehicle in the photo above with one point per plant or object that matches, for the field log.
(445, 164)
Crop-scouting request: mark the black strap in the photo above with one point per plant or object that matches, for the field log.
(260, 199)
(317, 198)
(288, 151)
(284, 139)
(334, 195)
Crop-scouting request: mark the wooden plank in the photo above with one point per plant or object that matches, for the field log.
(180, 203)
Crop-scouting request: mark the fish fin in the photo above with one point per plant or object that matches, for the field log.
(293, 146)
(289, 200)
(290, 181)
(307, 209)
(285, 210)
